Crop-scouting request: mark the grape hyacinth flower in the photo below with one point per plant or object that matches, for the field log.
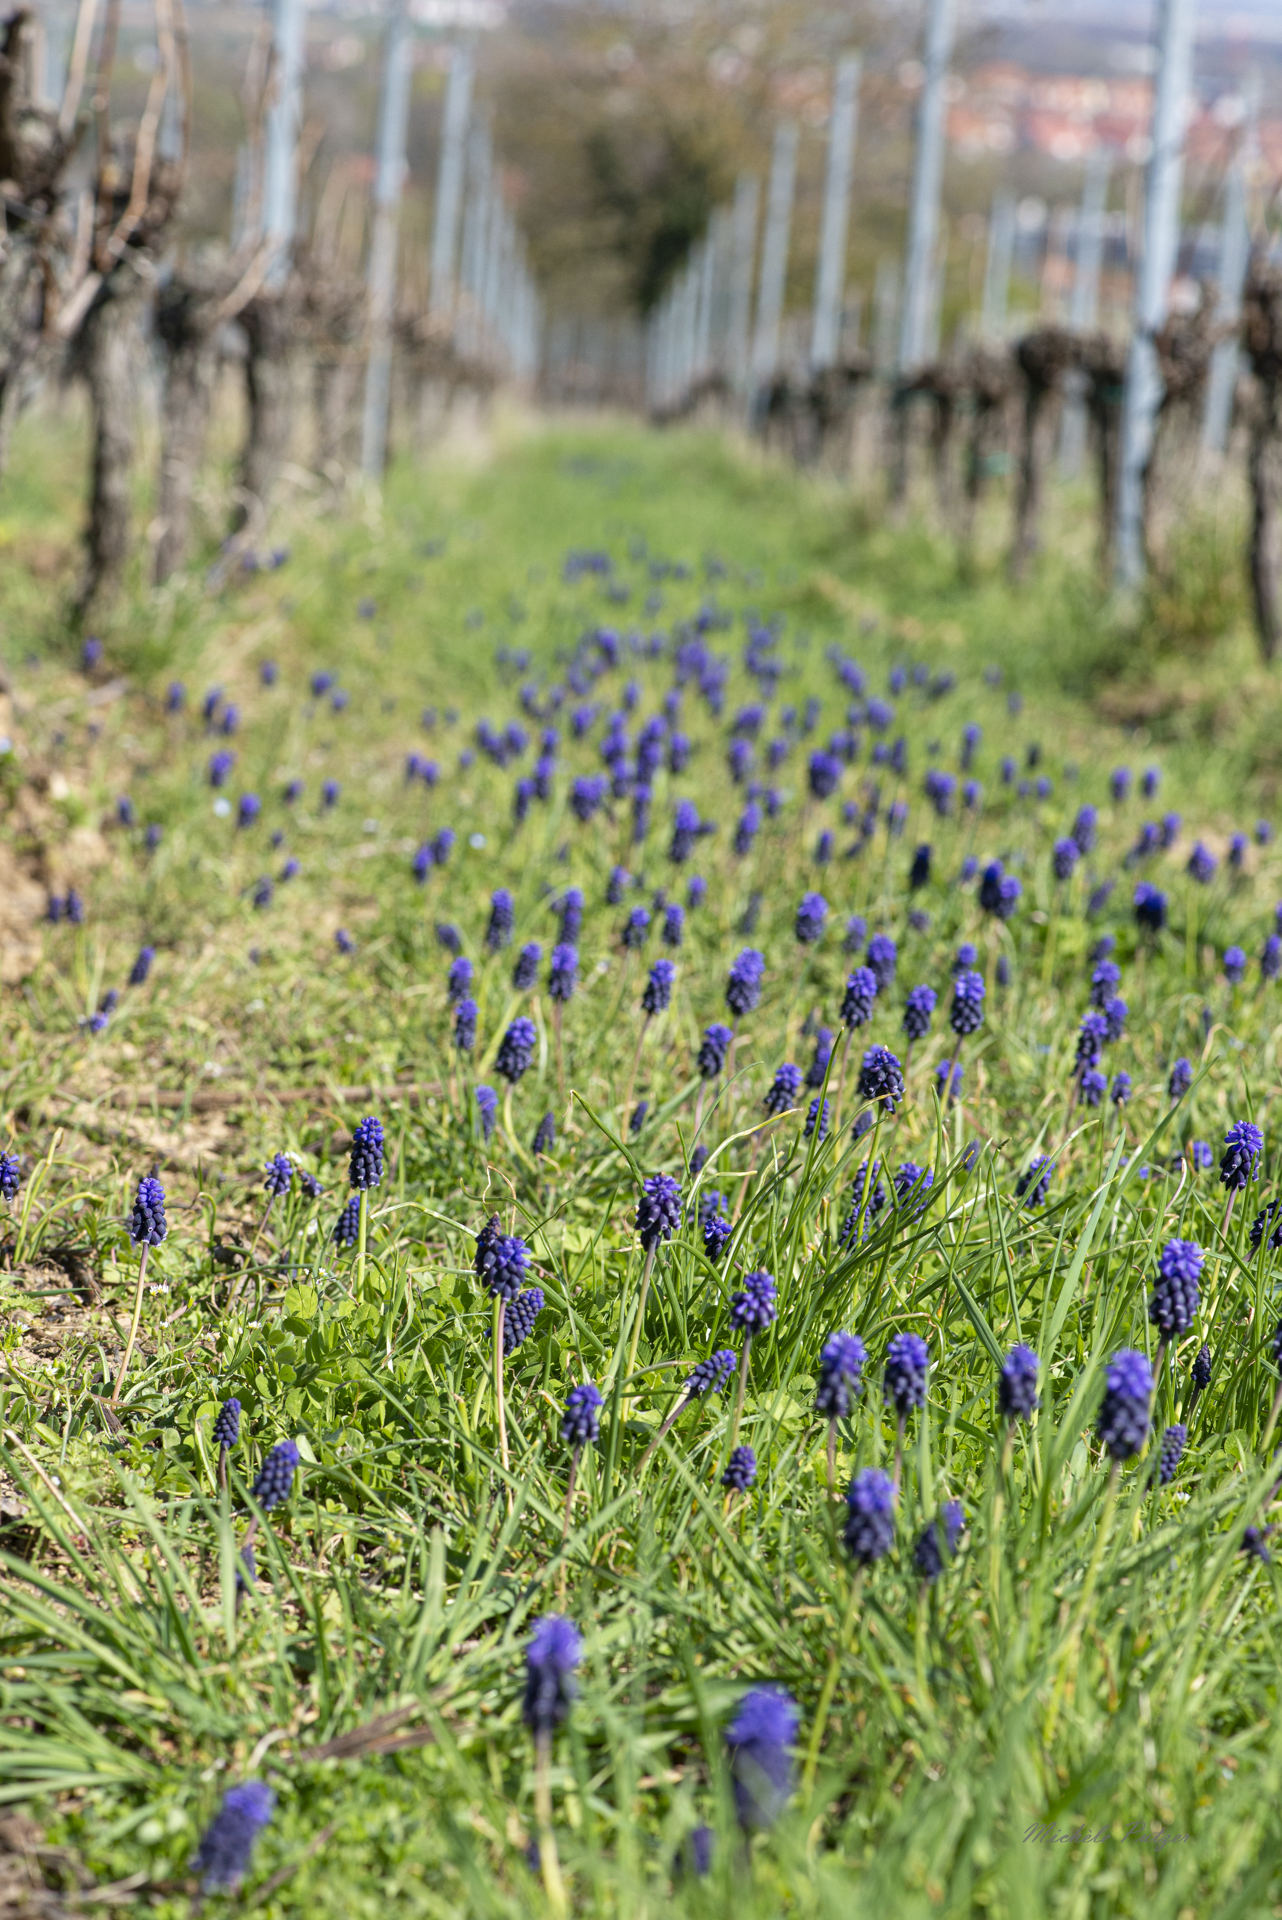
(147, 1229)
(516, 1049)
(526, 970)
(459, 980)
(1104, 980)
(1181, 1079)
(656, 995)
(1244, 1143)
(948, 1080)
(1173, 1304)
(569, 910)
(817, 1119)
(870, 1516)
(501, 1262)
(881, 1078)
(1033, 1185)
(1202, 864)
(882, 957)
(1174, 1441)
(581, 1422)
(841, 1366)
(554, 1652)
(10, 1175)
(811, 916)
(1271, 958)
(276, 1476)
(918, 1008)
(502, 922)
(1017, 1384)
(706, 1376)
(743, 984)
(817, 1071)
(1115, 1020)
(850, 1226)
(861, 991)
(226, 1434)
(544, 1136)
(1120, 1091)
(227, 1845)
(907, 1360)
(673, 933)
(783, 1094)
(754, 1307)
(658, 1210)
(141, 967)
(1064, 857)
(1150, 908)
(937, 1542)
(741, 1470)
(1234, 965)
(347, 1228)
(562, 971)
(1092, 1086)
(759, 1741)
(487, 1103)
(1267, 1217)
(712, 1051)
(1123, 1421)
(519, 1319)
(966, 1015)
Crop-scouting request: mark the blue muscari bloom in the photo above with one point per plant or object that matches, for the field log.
(824, 774)
(1104, 980)
(876, 1201)
(1017, 1384)
(310, 1184)
(1271, 958)
(966, 1015)
(948, 1080)
(907, 1359)
(1234, 965)
(1120, 1091)
(857, 927)
(1092, 1086)
(1244, 1143)
(1170, 829)
(1084, 828)
(743, 984)
(817, 1071)
(811, 915)
(861, 991)
(226, 1430)
(10, 1175)
(1202, 864)
(366, 1165)
(1201, 1369)
(658, 1210)
(227, 1845)
(516, 1049)
(636, 930)
(710, 1375)
(919, 872)
(759, 1741)
(147, 1223)
(1064, 857)
(783, 1093)
(502, 1261)
(841, 1366)
(749, 825)
(937, 1542)
(657, 993)
(581, 1424)
(458, 980)
(544, 1135)
(526, 970)
(912, 1183)
(712, 1050)
(554, 1652)
(817, 1117)
(487, 1102)
(1032, 1186)
(1173, 1303)
(276, 1475)
(519, 1319)
(280, 1175)
(616, 886)
(1181, 1079)
(696, 892)
(673, 926)
(869, 1532)
(1091, 1036)
(741, 1470)
(1237, 851)
(1173, 1443)
(562, 971)
(330, 791)
(918, 1007)
(347, 1227)
(882, 958)
(1115, 1019)
(1150, 907)
(502, 920)
(1201, 1155)
(569, 910)
(1124, 1417)
(881, 1077)
(685, 831)
(1120, 783)
(716, 1231)
(343, 941)
(1151, 781)
(754, 1308)
(1261, 1221)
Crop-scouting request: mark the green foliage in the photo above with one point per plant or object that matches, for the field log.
(1097, 1661)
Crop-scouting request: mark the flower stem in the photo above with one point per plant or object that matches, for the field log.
(830, 1683)
(646, 1271)
(133, 1325)
(500, 1311)
(549, 1864)
(743, 1384)
(360, 1241)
